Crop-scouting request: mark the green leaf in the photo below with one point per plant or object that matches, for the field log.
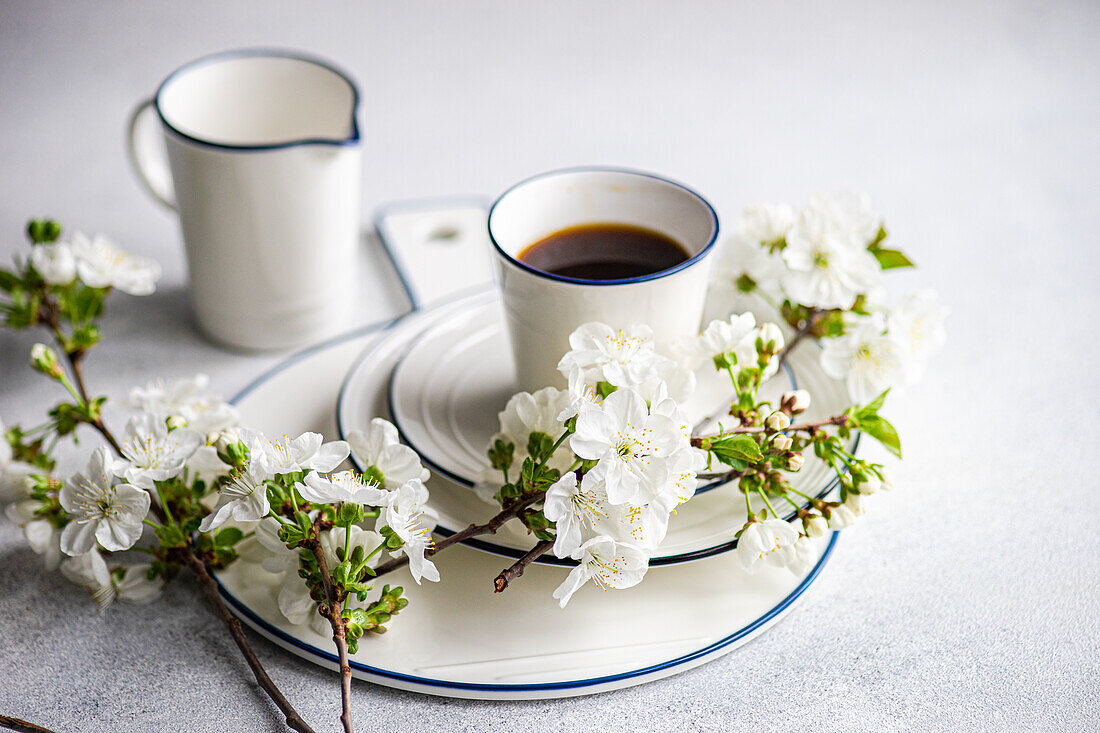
(890, 259)
(736, 451)
(871, 408)
(881, 430)
(9, 281)
(880, 237)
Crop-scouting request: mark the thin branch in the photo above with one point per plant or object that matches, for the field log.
(511, 573)
(474, 530)
(339, 634)
(210, 588)
(697, 442)
(21, 725)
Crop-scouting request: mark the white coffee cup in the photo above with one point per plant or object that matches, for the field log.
(542, 309)
(264, 168)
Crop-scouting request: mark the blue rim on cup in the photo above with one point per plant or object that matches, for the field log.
(703, 252)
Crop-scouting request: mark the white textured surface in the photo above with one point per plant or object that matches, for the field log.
(967, 600)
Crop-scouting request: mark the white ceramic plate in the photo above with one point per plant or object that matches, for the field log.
(443, 374)
(458, 639)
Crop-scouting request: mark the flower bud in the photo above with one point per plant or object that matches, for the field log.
(815, 525)
(174, 422)
(870, 484)
(44, 359)
(795, 461)
(782, 442)
(886, 484)
(777, 421)
(855, 503)
(795, 402)
(772, 338)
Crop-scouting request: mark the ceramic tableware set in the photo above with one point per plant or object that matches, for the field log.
(263, 167)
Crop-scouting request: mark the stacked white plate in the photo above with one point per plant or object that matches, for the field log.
(441, 375)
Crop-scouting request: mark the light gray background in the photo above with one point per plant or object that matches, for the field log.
(967, 600)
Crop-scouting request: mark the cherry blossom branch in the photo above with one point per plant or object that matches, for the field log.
(474, 530)
(187, 553)
(210, 588)
(334, 613)
(22, 726)
(697, 442)
(75, 361)
(516, 569)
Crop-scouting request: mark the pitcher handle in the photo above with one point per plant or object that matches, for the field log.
(149, 162)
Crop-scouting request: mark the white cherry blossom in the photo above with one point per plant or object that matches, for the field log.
(410, 518)
(307, 452)
(851, 212)
(54, 262)
(152, 452)
(629, 444)
(623, 357)
(771, 541)
(185, 398)
(41, 535)
(528, 413)
(804, 556)
(766, 223)
(243, 498)
(384, 459)
(101, 264)
(828, 266)
(333, 543)
(917, 322)
(129, 584)
(847, 513)
(345, 486)
(575, 507)
(609, 564)
(866, 358)
(101, 509)
(736, 335)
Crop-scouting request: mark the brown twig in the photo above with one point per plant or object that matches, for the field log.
(21, 725)
(333, 611)
(697, 442)
(210, 588)
(516, 569)
(474, 530)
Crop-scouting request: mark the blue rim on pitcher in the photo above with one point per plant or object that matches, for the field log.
(515, 261)
(351, 139)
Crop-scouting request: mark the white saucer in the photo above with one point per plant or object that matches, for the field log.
(458, 639)
(443, 374)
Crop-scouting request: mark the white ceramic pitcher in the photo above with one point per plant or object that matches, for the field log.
(264, 169)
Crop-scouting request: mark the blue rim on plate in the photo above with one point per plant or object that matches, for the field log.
(243, 53)
(511, 552)
(707, 248)
(254, 619)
